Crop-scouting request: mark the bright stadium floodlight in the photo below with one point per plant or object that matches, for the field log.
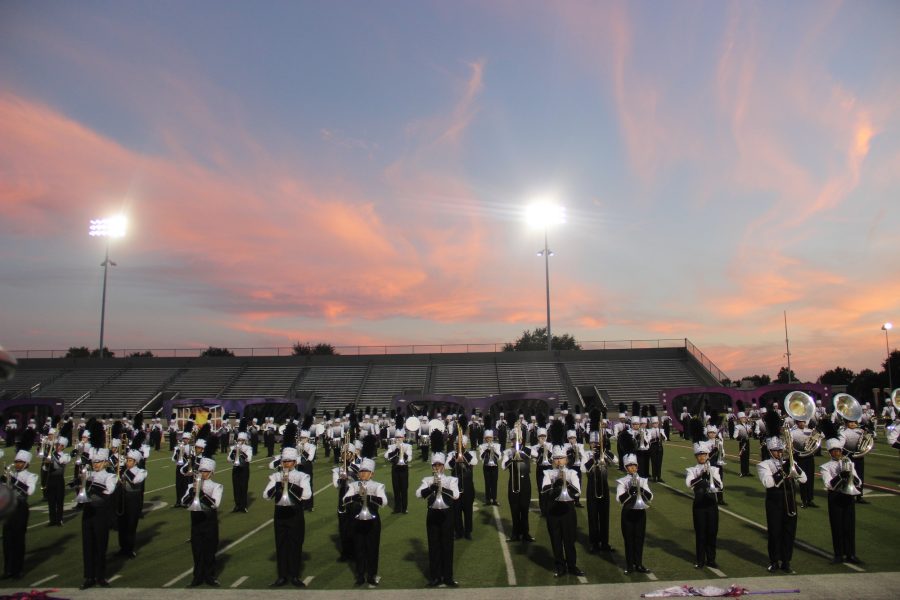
(887, 345)
(544, 214)
(113, 227)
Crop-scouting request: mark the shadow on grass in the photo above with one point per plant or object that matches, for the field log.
(670, 547)
(38, 556)
(418, 555)
(743, 550)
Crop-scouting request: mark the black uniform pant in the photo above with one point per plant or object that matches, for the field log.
(95, 523)
(643, 458)
(128, 521)
(808, 466)
(240, 480)
(182, 482)
(424, 450)
(842, 518)
(706, 529)
(720, 496)
(490, 484)
(781, 527)
(860, 465)
(366, 543)
(598, 516)
(204, 543)
(744, 452)
(270, 446)
(56, 493)
(290, 531)
(439, 524)
(519, 504)
(542, 499)
(400, 481)
(634, 526)
(561, 525)
(656, 459)
(345, 535)
(463, 510)
(14, 529)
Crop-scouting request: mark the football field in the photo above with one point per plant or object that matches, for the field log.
(246, 557)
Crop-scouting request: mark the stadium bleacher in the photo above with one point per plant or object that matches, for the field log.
(622, 375)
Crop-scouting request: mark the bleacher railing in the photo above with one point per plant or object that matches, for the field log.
(703, 360)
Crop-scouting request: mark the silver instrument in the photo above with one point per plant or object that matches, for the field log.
(848, 487)
(564, 494)
(849, 409)
(237, 454)
(196, 506)
(365, 514)
(82, 497)
(639, 503)
(285, 499)
(439, 503)
(801, 407)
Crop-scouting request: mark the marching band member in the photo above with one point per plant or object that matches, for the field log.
(633, 493)
(23, 484)
(183, 455)
(490, 453)
(342, 476)
(618, 429)
(800, 436)
(685, 419)
(172, 433)
(843, 485)
(517, 459)
(462, 466)
(269, 437)
(742, 433)
(132, 481)
(562, 487)
(706, 482)
(54, 464)
(541, 451)
(657, 446)
(289, 488)
(597, 491)
(716, 453)
(440, 491)
(240, 456)
(778, 478)
(502, 432)
(96, 518)
(575, 456)
(642, 440)
(362, 501)
(851, 435)
(399, 454)
(306, 456)
(204, 522)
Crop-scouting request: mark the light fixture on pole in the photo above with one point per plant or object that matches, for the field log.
(887, 346)
(544, 214)
(113, 227)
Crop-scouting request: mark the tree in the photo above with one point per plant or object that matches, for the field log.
(837, 376)
(213, 351)
(95, 353)
(785, 376)
(758, 380)
(78, 352)
(308, 349)
(537, 340)
(145, 354)
(895, 370)
(863, 384)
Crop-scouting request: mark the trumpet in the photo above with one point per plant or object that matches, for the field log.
(639, 503)
(46, 446)
(180, 453)
(365, 514)
(82, 497)
(237, 453)
(285, 499)
(196, 506)
(10, 476)
(564, 495)
(847, 487)
(439, 503)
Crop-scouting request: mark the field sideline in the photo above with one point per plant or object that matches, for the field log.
(246, 559)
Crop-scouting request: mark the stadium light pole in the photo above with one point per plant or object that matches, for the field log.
(887, 346)
(113, 227)
(544, 214)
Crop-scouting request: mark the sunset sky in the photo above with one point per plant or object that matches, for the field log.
(358, 172)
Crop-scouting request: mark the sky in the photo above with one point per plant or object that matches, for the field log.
(357, 173)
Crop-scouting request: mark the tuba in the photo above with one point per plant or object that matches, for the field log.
(849, 409)
(801, 407)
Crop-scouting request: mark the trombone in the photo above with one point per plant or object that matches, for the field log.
(790, 499)
(516, 483)
(599, 467)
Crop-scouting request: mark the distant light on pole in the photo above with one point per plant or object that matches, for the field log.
(887, 345)
(113, 227)
(543, 214)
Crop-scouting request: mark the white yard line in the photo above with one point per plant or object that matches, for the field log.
(582, 579)
(510, 571)
(239, 581)
(114, 577)
(308, 580)
(717, 572)
(44, 580)
(854, 567)
(175, 580)
(652, 577)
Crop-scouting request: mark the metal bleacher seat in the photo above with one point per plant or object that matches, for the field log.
(386, 381)
(334, 386)
(75, 384)
(128, 392)
(632, 380)
(267, 381)
(202, 382)
(28, 381)
(531, 377)
(473, 380)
